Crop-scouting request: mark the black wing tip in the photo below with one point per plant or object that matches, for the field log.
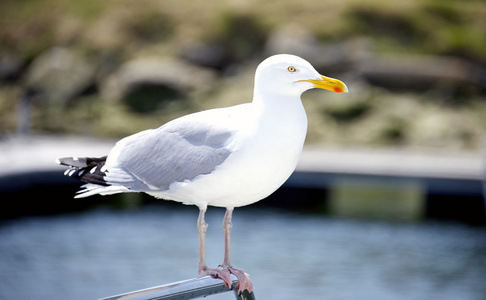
(86, 169)
(76, 162)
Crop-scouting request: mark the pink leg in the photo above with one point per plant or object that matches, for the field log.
(203, 270)
(244, 281)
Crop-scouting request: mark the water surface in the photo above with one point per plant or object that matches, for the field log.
(100, 253)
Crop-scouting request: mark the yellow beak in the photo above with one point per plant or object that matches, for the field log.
(330, 84)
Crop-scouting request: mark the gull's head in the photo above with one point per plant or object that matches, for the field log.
(290, 75)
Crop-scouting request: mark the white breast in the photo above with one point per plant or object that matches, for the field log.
(267, 147)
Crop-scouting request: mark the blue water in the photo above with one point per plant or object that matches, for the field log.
(100, 253)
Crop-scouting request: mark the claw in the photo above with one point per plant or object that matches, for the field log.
(217, 273)
(244, 281)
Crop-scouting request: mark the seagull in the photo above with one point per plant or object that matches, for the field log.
(225, 157)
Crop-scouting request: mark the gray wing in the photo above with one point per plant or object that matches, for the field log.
(175, 152)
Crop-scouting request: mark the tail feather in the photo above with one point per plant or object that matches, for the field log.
(72, 162)
(86, 169)
(90, 189)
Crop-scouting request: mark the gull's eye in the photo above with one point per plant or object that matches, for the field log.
(291, 69)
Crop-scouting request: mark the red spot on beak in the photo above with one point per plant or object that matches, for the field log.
(338, 89)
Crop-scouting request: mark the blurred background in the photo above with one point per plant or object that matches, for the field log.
(387, 202)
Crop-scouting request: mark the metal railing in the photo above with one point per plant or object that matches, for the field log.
(187, 289)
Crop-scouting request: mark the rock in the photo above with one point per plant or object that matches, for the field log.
(294, 39)
(421, 72)
(207, 55)
(59, 75)
(145, 84)
(10, 66)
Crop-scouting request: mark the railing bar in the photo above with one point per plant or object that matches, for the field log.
(182, 290)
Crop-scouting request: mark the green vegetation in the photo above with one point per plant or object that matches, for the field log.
(107, 34)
